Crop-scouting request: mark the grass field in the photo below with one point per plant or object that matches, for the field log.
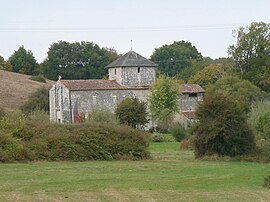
(171, 175)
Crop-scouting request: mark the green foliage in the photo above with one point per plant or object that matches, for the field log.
(39, 100)
(259, 119)
(38, 78)
(173, 58)
(251, 53)
(164, 120)
(102, 115)
(196, 65)
(178, 132)
(208, 75)
(80, 60)
(164, 97)
(242, 90)
(23, 61)
(157, 137)
(33, 137)
(222, 128)
(132, 112)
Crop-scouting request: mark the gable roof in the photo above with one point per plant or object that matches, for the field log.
(132, 59)
(95, 84)
(191, 88)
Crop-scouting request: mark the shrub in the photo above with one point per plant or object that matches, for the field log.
(222, 127)
(38, 78)
(178, 132)
(102, 115)
(39, 100)
(132, 112)
(35, 138)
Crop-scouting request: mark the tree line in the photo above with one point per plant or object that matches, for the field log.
(248, 59)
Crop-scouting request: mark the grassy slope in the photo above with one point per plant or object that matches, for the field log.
(171, 176)
(15, 89)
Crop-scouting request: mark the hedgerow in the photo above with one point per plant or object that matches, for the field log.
(32, 138)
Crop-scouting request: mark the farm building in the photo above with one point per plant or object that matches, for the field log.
(129, 76)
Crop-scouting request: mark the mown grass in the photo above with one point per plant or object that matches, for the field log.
(172, 175)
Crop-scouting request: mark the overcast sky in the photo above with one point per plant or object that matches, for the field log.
(207, 24)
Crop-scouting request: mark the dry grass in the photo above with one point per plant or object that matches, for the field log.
(15, 89)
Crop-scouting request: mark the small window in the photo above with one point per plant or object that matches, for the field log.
(115, 71)
(139, 69)
(193, 95)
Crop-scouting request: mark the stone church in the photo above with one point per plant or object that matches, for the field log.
(131, 75)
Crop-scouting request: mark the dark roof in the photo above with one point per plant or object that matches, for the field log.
(191, 88)
(132, 59)
(83, 85)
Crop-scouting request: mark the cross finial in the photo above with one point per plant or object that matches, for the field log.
(131, 44)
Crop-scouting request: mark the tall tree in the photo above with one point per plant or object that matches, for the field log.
(80, 60)
(173, 58)
(252, 53)
(164, 101)
(23, 61)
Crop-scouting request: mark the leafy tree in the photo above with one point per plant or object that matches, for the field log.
(4, 64)
(80, 60)
(242, 90)
(196, 65)
(173, 58)
(164, 101)
(222, 128)
(23, 61)
(208, 75)
(132, 112)
(251, 54)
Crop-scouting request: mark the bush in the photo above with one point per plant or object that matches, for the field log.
(39, 100)
(132, 112)
(222, 127)
(38, 78)
(102, 115)
(33, 138)
(178, 132)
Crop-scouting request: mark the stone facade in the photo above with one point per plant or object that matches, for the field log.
(129, 76)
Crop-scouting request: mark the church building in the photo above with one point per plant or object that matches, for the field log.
(131, 75)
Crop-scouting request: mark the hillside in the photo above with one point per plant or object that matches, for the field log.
(15, 89)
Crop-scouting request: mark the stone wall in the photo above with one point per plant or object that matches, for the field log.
(189, 102)
(133, 76)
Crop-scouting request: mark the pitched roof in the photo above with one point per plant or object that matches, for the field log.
(91, 84)
(191, 88)
(132, 59)
(94, 84)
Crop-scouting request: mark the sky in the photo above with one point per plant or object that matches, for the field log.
(208, 24)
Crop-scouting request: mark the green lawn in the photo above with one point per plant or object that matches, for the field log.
(172, 175)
